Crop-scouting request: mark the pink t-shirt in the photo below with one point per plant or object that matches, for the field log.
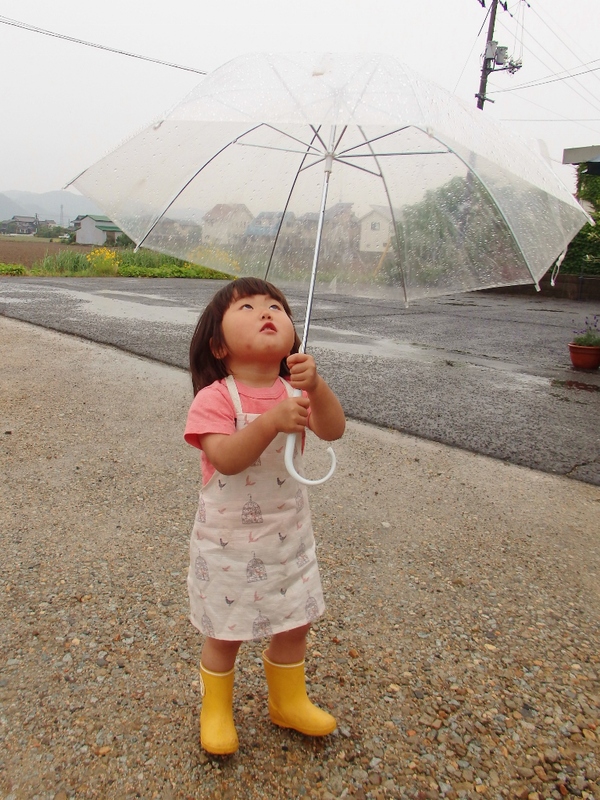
(212, 411)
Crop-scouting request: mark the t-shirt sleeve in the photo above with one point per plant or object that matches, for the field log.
(211, 412)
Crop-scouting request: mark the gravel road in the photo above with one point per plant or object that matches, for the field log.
(460, 651)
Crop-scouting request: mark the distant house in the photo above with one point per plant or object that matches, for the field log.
(376, 229)
(340, 230)
(224, 222)
(267, 223)
(306, 229)
(25, 225)
(91, 229)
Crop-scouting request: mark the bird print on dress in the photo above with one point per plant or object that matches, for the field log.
(282, 538)
(280, 481)
(228, 601)
(251, 513)
(256, 570)
(249, 481)
(222, 484)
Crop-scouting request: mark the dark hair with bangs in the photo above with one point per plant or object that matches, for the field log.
(205, 367)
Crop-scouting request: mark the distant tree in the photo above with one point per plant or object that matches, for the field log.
(124, 241)
(588, 187)
(50, 232)
(583, 255)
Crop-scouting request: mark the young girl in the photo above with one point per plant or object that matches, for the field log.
(253, 570)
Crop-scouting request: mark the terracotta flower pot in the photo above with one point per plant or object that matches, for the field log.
(583, 357)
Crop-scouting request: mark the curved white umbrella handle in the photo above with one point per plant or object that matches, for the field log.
(289, 463)
(289, 458)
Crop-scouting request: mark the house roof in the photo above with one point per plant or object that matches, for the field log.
(337, 209)
(224, 211)
(108, 227)
(383, 211)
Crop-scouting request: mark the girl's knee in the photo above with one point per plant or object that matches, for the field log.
(296, 634)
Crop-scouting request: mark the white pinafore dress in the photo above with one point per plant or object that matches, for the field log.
(253, 568)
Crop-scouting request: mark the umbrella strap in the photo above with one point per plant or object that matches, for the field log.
(556, 268)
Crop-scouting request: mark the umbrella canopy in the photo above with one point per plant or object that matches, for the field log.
(425, 196)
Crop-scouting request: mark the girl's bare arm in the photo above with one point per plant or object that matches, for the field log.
(233, 453)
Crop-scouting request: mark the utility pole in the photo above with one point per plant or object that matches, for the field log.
(488, 57)
(495, 58)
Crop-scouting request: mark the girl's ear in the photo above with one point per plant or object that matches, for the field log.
(220, 353)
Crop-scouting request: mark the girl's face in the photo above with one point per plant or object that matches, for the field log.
(256, 329)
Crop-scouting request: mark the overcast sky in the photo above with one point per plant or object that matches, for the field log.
(64, 105)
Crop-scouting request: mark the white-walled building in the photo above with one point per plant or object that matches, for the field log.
(96, 230)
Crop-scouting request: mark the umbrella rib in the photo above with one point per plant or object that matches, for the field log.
(389, 199)
(270, 147)
(403, 153)
(178, 194)
(376, 138)
(285, 208)
(473, 170)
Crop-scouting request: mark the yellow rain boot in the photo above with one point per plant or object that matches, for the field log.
(289, 706)
(217, 731)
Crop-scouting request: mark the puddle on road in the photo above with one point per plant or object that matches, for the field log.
(585, 387)
(117, 308)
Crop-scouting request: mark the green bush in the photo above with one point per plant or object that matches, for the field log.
(66, 263)
(110, 262)
(583, 255)
(171, 271)
(12, 269)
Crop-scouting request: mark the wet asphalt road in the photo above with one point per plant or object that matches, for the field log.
(485, 372)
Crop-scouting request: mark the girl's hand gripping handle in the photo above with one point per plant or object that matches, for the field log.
(289, 457)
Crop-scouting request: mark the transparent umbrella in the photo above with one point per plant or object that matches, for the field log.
(349, 172)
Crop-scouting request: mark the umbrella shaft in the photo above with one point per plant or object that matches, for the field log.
(315, 264)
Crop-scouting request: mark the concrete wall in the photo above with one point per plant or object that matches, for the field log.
(570, 287)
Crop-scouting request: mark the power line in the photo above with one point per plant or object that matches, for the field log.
(592, 102)
(549, 79)
(24, 26)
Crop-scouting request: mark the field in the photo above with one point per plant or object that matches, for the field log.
(28, 251)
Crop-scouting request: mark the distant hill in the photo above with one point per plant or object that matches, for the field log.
(8, 208)
(46, 205)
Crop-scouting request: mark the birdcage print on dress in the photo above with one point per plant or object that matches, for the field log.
(201, 512)
(256, 463)
(311, 609)
(256, 571)
(207, 626)
(301, 557)
(299, 500)
(201, 569)
(261, 627)
(251, 513)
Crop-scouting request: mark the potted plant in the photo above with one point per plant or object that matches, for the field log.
(585, 347)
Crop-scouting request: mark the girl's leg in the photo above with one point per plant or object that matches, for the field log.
(219, 655)
(289, 706)
(217, 730)
(288, 647)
